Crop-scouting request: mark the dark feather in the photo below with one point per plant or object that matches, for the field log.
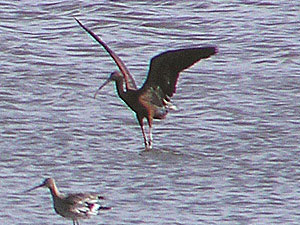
(165, 68)
(129, 81)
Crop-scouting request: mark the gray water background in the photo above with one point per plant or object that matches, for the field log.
(229, 155)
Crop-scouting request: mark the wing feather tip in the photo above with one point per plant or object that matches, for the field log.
(215, 50)
(209, 51)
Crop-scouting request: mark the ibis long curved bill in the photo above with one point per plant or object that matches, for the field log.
(102, 86)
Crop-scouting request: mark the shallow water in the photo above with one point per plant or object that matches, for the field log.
(229, 155)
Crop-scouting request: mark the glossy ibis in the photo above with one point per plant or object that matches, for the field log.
(73, 206)
(152, 100)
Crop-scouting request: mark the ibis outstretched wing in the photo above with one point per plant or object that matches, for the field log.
(130, 83)
(165, 68)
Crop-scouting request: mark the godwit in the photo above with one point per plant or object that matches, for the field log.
(152, 100)
(73, 206)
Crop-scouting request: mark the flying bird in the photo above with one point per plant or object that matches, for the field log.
(152, 100)
(73, 206)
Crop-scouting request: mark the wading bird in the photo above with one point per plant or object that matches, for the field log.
(152, 100)
(73, 206)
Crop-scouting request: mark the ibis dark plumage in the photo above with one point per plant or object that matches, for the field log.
(152, 100)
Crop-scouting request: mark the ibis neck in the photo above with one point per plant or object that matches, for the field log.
(120, 87)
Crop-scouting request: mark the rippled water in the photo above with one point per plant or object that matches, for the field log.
(229, 155)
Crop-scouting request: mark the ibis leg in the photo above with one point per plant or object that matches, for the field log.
(150, 137)
(150, 134)
(143, 131)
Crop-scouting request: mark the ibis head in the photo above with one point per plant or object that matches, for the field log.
(114, 76)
